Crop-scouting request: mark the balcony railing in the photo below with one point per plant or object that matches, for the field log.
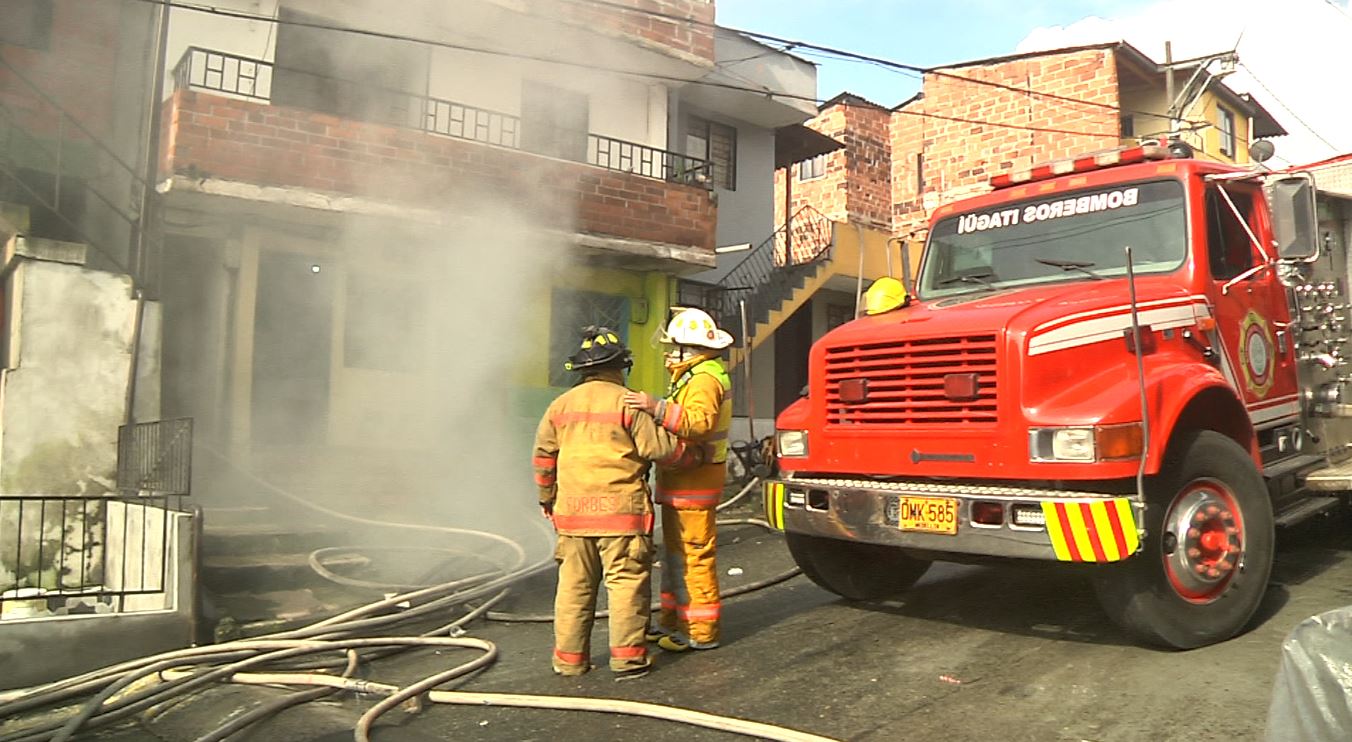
(259, 80)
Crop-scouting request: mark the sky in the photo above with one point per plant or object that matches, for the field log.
(1288, 50)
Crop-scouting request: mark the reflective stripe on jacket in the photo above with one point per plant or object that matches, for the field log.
(699, 410)
(591, 460)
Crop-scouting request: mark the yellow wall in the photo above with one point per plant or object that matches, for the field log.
(1206, 139)
(851, 238)
(640, 287)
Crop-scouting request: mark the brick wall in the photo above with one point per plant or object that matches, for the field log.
(857, 184)
(868, 170)
(213, 136)
(959, 157)
(76, 69)
(684, 38)
(829, 193)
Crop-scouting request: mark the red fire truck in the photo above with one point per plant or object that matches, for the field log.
(1135, 361)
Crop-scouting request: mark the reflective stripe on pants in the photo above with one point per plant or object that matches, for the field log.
(625, 563)
(689, 600)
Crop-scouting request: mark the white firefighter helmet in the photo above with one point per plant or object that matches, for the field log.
(695, 327)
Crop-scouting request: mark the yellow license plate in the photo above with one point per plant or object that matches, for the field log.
(929, 514)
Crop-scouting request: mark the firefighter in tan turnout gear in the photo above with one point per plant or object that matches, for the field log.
(592, 455)
(699, 410)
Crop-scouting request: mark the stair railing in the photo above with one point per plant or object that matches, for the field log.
(766, 276)
(52, 201)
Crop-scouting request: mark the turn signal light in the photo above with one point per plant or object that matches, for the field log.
(1119, 441)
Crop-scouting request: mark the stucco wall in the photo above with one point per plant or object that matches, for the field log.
(64, 395)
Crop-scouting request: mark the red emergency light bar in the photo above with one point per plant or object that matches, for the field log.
(1082, 164)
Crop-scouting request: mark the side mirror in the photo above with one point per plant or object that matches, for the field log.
(1295, 223)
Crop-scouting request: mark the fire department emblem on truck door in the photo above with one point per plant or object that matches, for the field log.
(1255, 350)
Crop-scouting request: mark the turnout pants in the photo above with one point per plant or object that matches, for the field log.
(625, 563)
(690, 604)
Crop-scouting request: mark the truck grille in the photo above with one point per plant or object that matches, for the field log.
(905, 381)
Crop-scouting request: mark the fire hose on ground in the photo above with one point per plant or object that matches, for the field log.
(116, 694)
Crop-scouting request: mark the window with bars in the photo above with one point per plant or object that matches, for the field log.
(717, 144)
(570, 312)
(813, 168)
(1227, 129)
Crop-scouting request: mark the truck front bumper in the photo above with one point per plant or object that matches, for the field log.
(1032, 523)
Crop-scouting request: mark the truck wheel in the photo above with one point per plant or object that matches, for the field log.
(853, 570)
(1207, 554)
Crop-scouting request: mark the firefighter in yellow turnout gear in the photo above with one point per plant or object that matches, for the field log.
(699, 410)
(591, 459)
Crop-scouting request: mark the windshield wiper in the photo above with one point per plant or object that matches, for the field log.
(982, 279)
(1071, 265)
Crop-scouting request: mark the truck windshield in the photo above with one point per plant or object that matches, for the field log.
(1077, 236)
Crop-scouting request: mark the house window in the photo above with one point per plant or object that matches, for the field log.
(1228, 245)
(717, 144)
(837, 315)
(813, 168)
(27, 23)
(919, 172)
(573, 310)
(554, 121)
(1227, 118)
(346, 74)
(384, 320)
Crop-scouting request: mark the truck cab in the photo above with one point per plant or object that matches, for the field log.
(1115, 362)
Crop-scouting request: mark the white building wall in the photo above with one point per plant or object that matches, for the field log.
(620, 107)
(65, 388)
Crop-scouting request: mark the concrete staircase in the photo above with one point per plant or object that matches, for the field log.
(256, 578)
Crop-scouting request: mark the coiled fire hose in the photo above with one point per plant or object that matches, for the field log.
(117, 693)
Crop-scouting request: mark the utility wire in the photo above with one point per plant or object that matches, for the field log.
(227, 13)
(1294, 115)
(858, 57)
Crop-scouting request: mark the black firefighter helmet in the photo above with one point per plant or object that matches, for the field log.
(601, 348)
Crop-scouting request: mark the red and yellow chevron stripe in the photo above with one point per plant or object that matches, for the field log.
(1093, 531)
(774, 504)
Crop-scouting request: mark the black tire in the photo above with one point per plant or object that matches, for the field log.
(853, 570)
(1207, 555)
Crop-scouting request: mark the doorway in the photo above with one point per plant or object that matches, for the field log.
(293, 337)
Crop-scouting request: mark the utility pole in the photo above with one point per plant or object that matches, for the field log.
(1169, 87)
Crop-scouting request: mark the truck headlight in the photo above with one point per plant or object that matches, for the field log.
(1061, 444)
(1098, 443)
(791, 443)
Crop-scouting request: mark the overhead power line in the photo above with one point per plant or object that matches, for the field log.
(848, 55)
(1279, 101)
(241, 15)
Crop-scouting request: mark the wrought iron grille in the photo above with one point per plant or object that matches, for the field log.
(155, 458)
(764, 278)
(224, 73)
(628, 157)
(460, 121)
(68, 555)
(213, 71)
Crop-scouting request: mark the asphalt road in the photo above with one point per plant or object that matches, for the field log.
(970, 653)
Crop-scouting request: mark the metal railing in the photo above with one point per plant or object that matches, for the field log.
(766, 275)
(46, 146)
(259, 80)
(155, 458)
(67, 555)
(73, 554)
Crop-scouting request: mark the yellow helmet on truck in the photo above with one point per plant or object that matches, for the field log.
(884, 295)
